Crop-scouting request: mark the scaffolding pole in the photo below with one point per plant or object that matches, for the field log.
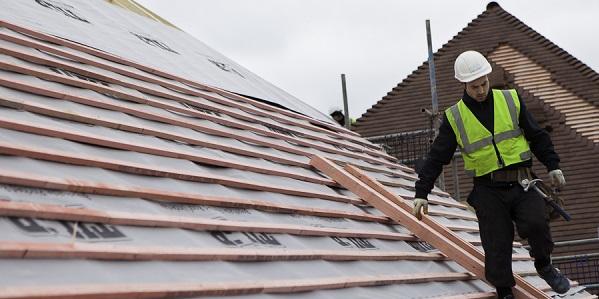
(345, 106)
(434, 114)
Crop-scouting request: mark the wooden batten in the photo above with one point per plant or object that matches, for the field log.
(162, 290)
(28, 250)
(31, 250)
(56, 212)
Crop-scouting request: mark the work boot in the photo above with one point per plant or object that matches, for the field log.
(556, 280)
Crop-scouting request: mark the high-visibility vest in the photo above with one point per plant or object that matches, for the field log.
(476, 142)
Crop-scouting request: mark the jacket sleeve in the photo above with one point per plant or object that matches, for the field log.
(539, 140)
(440, 154)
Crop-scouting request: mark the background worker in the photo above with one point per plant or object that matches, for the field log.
(496, 135)
(337, 115)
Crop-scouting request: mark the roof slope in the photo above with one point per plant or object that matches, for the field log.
(122, 180)
(135, 38)
(560, 91)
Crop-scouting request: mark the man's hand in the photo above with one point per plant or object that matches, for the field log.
(420, 203)
(557, 178)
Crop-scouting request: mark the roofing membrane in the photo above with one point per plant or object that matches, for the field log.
(117, 182)
(164, 47)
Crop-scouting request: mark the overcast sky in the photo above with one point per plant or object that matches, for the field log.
(302, 46)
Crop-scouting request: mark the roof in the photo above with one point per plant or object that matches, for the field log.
(561, 92)
(120, 179)
(164, 47)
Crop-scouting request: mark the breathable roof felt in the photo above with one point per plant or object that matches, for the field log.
(128, 173)
(117, 31)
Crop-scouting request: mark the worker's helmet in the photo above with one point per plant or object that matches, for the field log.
(471, 65)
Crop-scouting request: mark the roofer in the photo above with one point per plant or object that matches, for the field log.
(337, 115)
(496, 161)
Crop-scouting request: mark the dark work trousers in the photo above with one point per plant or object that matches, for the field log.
(497, 207)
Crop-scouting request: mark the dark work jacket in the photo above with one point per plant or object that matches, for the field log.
(445, 144)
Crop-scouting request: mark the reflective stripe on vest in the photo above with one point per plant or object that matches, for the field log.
(480, 154)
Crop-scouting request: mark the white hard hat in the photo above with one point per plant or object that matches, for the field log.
(471, 65)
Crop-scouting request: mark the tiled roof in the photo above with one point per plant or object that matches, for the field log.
(121, 180)
(579, 114)
(560, 91)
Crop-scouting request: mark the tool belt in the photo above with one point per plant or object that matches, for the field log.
(506, 175)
